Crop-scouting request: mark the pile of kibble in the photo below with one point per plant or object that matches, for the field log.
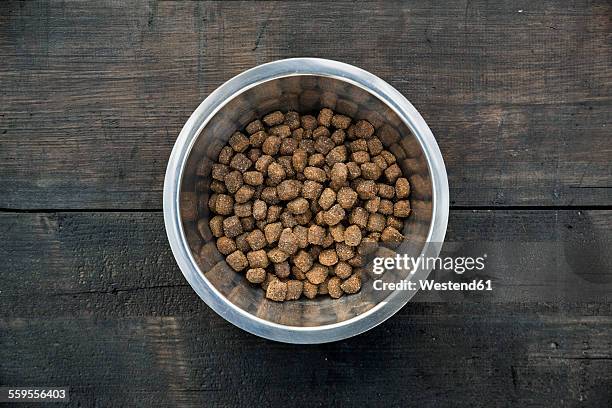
(301, 198)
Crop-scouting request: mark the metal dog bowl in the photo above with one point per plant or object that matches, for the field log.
(304, 85)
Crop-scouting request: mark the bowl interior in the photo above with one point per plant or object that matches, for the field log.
(306, 94)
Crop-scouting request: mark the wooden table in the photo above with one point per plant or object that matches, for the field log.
(93, 95)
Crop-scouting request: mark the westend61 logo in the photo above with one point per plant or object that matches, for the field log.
(459, 265)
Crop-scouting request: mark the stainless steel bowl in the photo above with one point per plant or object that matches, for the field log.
(304, 85)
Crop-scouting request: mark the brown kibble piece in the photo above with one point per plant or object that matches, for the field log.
(339, 136)
(256, 240)
(402, 187)
(303, 260)
(282, 131)
(337, 232)
(243, 210)
(282, 269)
(385, 207)
(256, 275)
(294, 289)
(216, 226)
(343, 270)
(288, 220)
(325, 117)
(239, 142)
(232, 226)
(288, 189)
(260, 210)
(301, 234)
(393, 172)
(233, 181)
(298, 205)
(386, 191)
(258, 259)
(271, 145)
(312, 190)
(359, 145)
(253, 178)
(237, 261)
(376, 222)
(288, 241)
(276, 291)
(240, 162)
(334, 215)
(395, 223)
(315, 174)
(327, 198)
(357, 261)
(263, 162)
(320, 132)
(244, 194)
(338, 174)
(276, 173)
(346, 197)
(354, 170)
(324, 144)
(344, 251)
(256, 140)
(366, 189)
(268, 194)
(218, 187)
(219, 171)
(274, 118)
(336, 155)
(372, 204)
(359, 216)
(323, 287)
(340, 121)
(299, 159)
(364, 129)
(310, 290)
(273, 232)
(352, 284)
(401, 209)
(360, 157)
(333, 287)
(328, 257)
(226, 245)
(224, 204)
(277, 255)
(390, 234)
(292, 119)
(317, 274)
(225, 155)
(316, 160)
(248, 223)
(370, 171)
(375, 146)
(309, 122)
(254, 127)
(316, 234)
(352, 236)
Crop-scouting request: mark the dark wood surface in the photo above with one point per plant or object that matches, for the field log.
(93, 95)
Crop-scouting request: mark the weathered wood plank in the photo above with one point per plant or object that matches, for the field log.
(93, 95)
(446, 360)
(120, 264)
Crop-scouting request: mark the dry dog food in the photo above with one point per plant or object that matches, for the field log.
(298, 202)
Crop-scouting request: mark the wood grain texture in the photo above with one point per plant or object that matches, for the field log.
(95, 301)
(120, 264)
(94, 95)
(488, 358)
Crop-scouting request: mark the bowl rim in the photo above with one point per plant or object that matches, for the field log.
(210, 106)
